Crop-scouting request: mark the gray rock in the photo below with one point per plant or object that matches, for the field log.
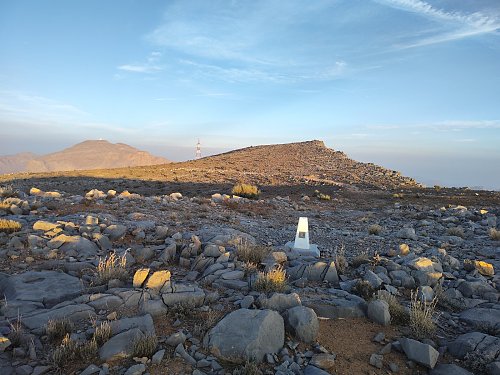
(191, 299)
(483, 346)
(77, 246)
(48, 287)
(279, 301)
(115, 231)
(378, 312)
(346, 306)
(303, 323)
(246, 302)
(324, 361)
(373, 279)
(158, 357)
(120, 346)
(482, 319)
(419, 352)
(377, 360)
(407, 233)
(246, 335)
(143, 323)
(233, 275)
(138, 369)
(74, 313)
(90, 370)
(449, 369)
(176, 339)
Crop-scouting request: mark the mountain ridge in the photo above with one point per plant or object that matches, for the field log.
(89, 154)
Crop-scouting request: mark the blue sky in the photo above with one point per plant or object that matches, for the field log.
(411, 85)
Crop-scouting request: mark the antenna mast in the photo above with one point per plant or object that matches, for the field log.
(198, 150)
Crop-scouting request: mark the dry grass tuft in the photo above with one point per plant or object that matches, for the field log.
(456, 231)
(246, 191)
(16, 332)
(360, 259)
(271, 281)
(340, 259)
(249, 253)
(421, 313)
(102, 333)
(145, 346)
(321, 196)
(494, 234)
(250, 368)
(8, 191)
(374, 229)
(4, 206)
(9, 226)
(57, 329)
(70, 351)
(363, 289)
(111, 267)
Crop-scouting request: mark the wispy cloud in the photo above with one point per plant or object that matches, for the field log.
(455, 25)
(151, 65)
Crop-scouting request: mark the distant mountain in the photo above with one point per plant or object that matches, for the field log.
(85, 155)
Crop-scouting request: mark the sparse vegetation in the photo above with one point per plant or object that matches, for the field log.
(16, 332)
(271, 281)
(363, 289)
(399, 314)
(70, 351)
(494, 234)
(9, 226)
(246, 191)
(321, 196)
(360, 259)
(7, 191)
(340, 259)
(145, 346)
(254, 254)
(111, 267)
(456, 231)
(4, 206)
(374, 229)
(421, 314)
(57, 329)
(250, 368)
(102, 333)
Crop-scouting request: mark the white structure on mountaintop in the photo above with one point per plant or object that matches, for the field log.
(198, 150)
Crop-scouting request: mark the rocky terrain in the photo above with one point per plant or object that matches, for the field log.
(130, 276)
(84, 155)
(294, 164)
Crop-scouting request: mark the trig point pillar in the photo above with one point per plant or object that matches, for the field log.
(302, 236)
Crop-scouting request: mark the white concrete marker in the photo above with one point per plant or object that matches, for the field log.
(302, 236)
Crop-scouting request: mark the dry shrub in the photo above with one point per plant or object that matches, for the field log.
(360, 259)
(111, 267)
(70, 351)
(246, 191)
(8, 191)
(340, 259)
(494, 234)
(250, 368)
(16, 332)
(363, 289)
(321, 196)
(456, 231)
(102, 333)
(399, 315)
(421, 313)
(9, 226)
(271, 281)
(145, 346)
(4, 206)
(57, 329)
(374, 229)
(255, 254)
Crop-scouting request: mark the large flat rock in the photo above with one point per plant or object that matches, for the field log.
(245, 335)
(72, 312)
(47, 287)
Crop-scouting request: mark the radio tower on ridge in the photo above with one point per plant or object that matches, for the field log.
(198, 150)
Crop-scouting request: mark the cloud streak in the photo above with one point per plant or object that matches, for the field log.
(462, 25)
(151, 65)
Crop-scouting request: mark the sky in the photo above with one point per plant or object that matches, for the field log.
(408, 84)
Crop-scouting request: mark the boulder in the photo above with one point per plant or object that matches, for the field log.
(140, 276)
(115, 231)
(421, 353)
(120, 346)
(74, 313)
(144, 323)
(279, 301)
(246, 335)
(482, 319)
(378, 312)
(302, 322)
(157, 280)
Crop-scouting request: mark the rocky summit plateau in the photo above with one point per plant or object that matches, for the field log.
(180, 269)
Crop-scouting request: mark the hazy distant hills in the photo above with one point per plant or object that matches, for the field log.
(82, 156)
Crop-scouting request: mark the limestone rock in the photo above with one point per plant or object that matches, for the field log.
(303, 323)
(419, 352)
(120, 346)
(378, 312)
(246, 335)
(140, 276)
(279, 301)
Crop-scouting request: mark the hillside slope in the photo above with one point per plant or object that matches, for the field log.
(90, 154)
